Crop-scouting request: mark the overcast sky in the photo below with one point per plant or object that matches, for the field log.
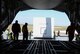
(60, 18)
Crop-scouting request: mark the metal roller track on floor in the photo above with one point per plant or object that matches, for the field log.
(39, 47)
(48, 47)
(74, 47)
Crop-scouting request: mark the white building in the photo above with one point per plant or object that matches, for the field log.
(43, 27)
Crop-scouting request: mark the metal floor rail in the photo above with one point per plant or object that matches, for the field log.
(51, 47)
(39, 47)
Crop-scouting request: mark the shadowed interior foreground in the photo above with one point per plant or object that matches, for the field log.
(39, 47)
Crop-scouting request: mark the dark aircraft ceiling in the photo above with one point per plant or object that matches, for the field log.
(9, 9)
(43, 4)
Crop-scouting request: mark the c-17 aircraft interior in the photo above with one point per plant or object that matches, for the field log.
(10, 8)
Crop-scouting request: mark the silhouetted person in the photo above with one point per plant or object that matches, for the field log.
(30, 34)
(54, 34)
(11, 36)
(16, 30)
(78, 31)
(7, 33)
(25, 31)
(78, 37)
(70, 31)
(78, 28)
(58, 33)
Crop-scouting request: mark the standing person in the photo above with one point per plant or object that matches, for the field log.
(30, 34)
(7, 33)
(78, 37)
(25, 31)
(78, 31)
(71, 31)
(54, 34)
(58, 34)
(16, 30)
(11, 36)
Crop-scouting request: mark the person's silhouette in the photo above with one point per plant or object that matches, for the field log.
(58, 34)
(11, 36)
(16, 30)
(30, 34)
(54, 33)
(70, 31)
(25, 31)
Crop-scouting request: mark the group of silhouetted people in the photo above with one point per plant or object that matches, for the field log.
(58, 33)
(16, 30)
